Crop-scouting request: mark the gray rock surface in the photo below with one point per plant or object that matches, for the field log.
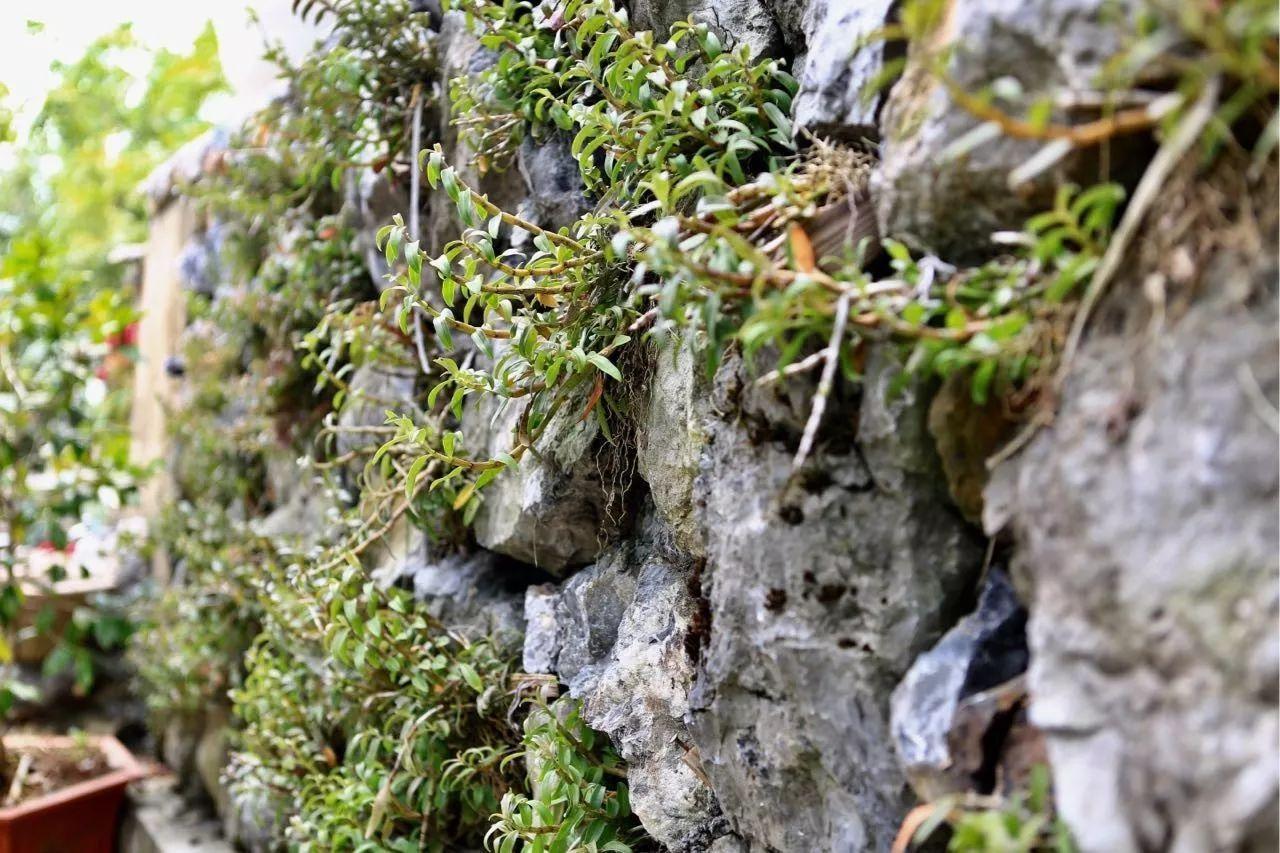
(480, 593)
(477, 593)
(789, 17)
(833, 100)
(951, 205)
(303, 504)
(541, 637)
(373, 200)
(985, 649)
(748, 22)
(554, 510)
(672, 435)
(822, 593)
(618, 633)
(556, 197)
(373, 389)
(1147, 532)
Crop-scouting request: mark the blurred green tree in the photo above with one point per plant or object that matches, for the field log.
(70, 187)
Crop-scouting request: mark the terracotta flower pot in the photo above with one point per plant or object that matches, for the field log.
(81, 818)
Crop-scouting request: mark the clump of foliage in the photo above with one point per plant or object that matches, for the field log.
(704, 221)
(706, 211)
(347, 108)
(361, 720)
(654, 123)
(1021, 823)
(188, 652)
(572, 804)
(387, 699)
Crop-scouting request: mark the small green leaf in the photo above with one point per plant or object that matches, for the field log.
(411, 478)
(604, 365)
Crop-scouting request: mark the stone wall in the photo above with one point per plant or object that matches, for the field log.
(763, 647)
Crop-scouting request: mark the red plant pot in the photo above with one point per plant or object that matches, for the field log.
(81, 818)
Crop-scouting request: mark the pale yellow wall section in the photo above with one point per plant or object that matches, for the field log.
(163, 306)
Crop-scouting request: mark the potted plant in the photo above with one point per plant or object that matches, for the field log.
(64, 792)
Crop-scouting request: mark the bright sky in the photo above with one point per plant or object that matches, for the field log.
(70, 25)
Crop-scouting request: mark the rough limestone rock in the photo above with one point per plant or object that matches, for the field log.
(1146, 527)
(461, 55)
(821, 595)
(541, 638)
(481, 594)
(402, 552)
(478, 593)
(556, 197)
(748, 22)
(372, 199)
(372, 390)
(303, 506)
(789, 17)
(832, 99)
(553, 511)
(950, 206)
(672, 436)
(618, 633)
(985, 649)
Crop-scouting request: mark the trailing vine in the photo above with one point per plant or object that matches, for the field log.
(361, 721)
(707, 217)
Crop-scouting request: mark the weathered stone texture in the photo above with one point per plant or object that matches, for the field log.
(553, 510)
(951, 205)
(1147, 538)
(479, 593)
(373, 389)
(619, 634)
(741, 22)
(941, 753)
(673, 434)
(843, 59)
(821, 594)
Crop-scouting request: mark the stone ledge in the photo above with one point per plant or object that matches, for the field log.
(157, 820)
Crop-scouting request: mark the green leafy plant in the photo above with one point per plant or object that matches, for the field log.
(66, 315)
(682, 236)
(1022, 823)
(576, 799)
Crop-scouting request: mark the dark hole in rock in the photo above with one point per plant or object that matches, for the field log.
(775, 599)
(830, 593)
(791, 514)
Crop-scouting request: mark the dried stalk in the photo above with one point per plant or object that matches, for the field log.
(824, 383)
